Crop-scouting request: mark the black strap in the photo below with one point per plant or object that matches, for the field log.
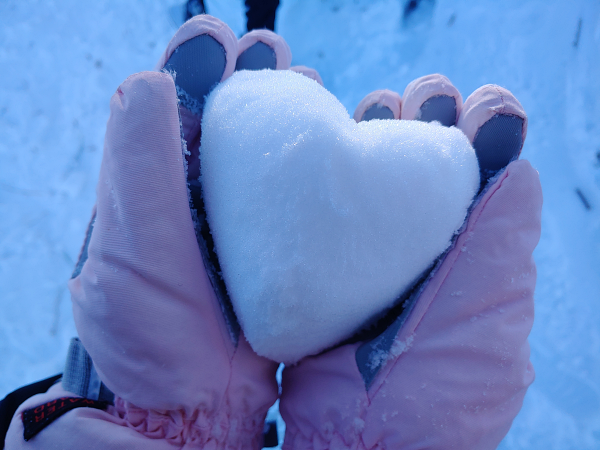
(10, 403)
(270, 437)
(38, 418)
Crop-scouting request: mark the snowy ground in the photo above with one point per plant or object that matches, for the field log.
(61, 62)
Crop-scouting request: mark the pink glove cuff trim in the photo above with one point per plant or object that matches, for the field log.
(201, 428)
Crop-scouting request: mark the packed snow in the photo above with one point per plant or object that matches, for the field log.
(62, 61)
(321, 223)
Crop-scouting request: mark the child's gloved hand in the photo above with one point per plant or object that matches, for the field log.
(450, 366)
(145, 295)
(448, 369)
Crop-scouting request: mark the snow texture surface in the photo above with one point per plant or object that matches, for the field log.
(62, 61)
(321, 223)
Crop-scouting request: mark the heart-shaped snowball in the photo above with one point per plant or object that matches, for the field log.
(320, 223)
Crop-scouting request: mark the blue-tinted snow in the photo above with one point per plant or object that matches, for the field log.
(62, 61)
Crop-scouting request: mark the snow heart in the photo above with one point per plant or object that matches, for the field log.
(319, 223)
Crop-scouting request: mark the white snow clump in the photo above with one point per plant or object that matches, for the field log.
(320, 223)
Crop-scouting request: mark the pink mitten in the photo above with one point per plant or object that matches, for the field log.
(451, 370)
(147, 301)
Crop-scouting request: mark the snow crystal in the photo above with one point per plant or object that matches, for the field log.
(380, 356)
(321, 223)
(399, 347)
(359, 425)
